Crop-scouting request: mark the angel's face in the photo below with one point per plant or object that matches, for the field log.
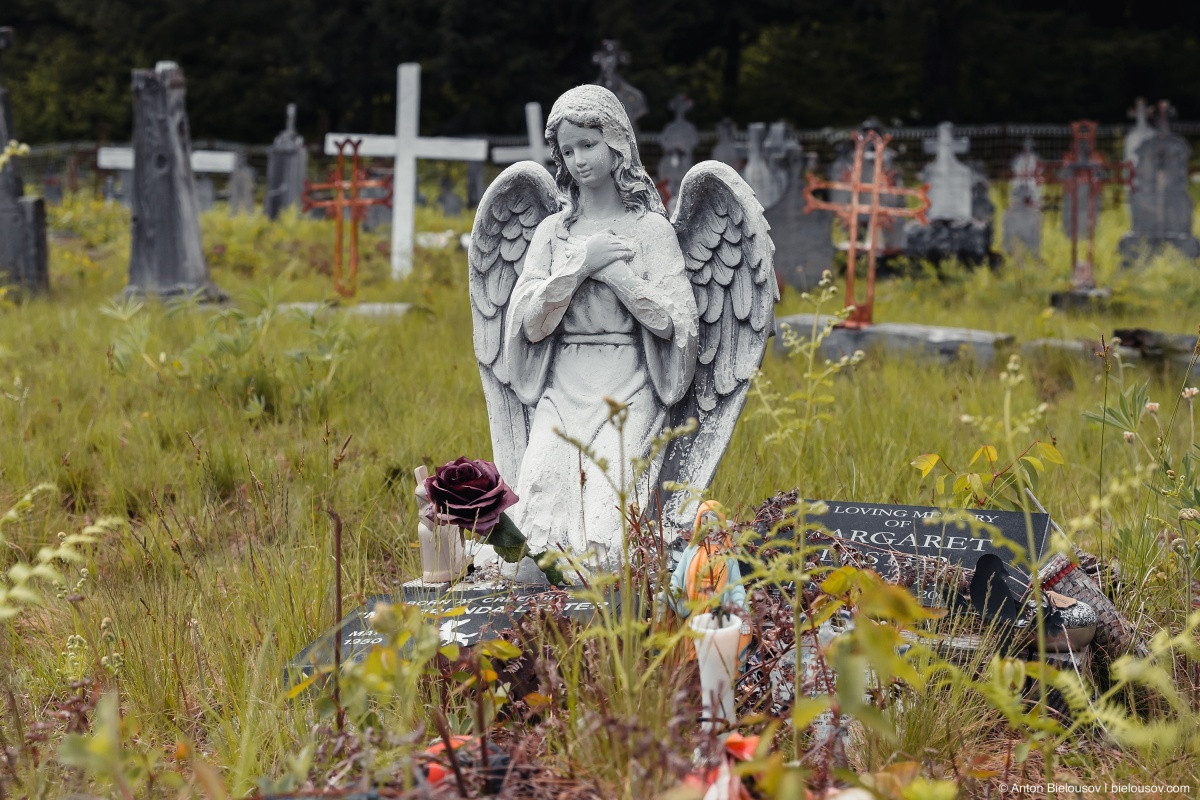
(585, 154)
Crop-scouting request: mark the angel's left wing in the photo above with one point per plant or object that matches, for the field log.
(520, 198)
(729, 256)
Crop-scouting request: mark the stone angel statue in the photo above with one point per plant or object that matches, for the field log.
(583, 292)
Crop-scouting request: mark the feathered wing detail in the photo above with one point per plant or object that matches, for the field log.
(729, 257)
(520, 198)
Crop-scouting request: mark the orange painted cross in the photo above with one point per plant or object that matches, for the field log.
(857, 206)
(346, 195)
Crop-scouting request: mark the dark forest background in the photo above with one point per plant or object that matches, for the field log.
(815, 63)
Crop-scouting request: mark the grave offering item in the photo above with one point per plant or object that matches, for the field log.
(726, 149)
(1139, 133)
(717, 657)
(889, 237)
(803, 239)
(678, 140)
(442, 554)
(536, 150)
(609, 57)
(1159, 204)
(1023, 219)
(865, 198)
(343, 196)
(23, 254)
(1083, 173)
(762, 180)
(166, 256)
(597, 295)
(406, 147)
(287, 166)
(953, 228)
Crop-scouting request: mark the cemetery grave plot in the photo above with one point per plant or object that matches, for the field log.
(220, 441)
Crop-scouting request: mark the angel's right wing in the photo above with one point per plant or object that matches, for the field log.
(507, 216)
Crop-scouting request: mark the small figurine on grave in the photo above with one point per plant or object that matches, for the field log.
(600, 324)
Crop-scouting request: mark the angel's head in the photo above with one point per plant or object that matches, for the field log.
(591, 106)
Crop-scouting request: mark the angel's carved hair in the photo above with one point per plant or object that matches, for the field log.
(591, 106)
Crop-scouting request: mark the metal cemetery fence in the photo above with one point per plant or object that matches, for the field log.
(55, 167)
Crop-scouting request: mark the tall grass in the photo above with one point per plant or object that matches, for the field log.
(220, 438)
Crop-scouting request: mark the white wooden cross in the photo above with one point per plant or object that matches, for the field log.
(406, 146)
(537, 149)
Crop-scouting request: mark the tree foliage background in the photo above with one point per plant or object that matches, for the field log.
(815, 63)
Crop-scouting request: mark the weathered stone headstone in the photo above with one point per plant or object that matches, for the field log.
(778, 147)
(476, 183)
(206, 193)
(52, 189)
(1159, 203)
(891, 237)
(166, 256)
(726, 149)
(803, 242)
(609, 57)
(678, 140)
(1023, 219)
(287, 165)
(757, 172)
(450, 200)
(241, 188)
(1139, 133)
(960, 212)
(23, 258)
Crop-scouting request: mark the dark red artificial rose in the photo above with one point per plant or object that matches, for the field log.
(469, 494)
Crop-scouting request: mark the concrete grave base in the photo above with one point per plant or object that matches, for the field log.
(944, 344)
(376, 310)
(1082, 299)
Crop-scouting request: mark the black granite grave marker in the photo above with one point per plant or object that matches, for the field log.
(486, 613)
(894, 539)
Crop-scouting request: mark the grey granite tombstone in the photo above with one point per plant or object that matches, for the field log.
(726, 149)
(287, 165)
(1023, 219)
(1159, 204)
(678, 140)
(777, 146)
(241, 188)
(166, 256)
(757, 172)
(892, 238)
(609, 57)
(803, 242)
(23, 260)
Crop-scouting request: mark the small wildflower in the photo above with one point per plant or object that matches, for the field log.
(966, 419)
(1128, 437)
(1190, 392)
(1152, 408)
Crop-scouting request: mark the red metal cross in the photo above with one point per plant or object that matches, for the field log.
(872, 208)
(1083, 166)
(345, 194)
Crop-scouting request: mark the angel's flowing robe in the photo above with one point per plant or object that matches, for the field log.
(571, 343)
